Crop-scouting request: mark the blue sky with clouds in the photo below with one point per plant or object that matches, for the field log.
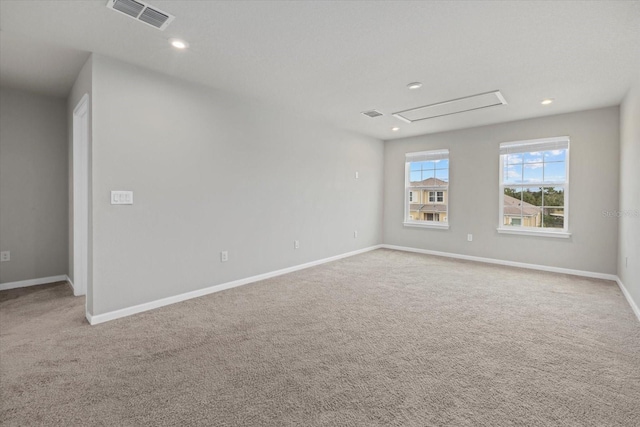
(536, 167)
(419, 171)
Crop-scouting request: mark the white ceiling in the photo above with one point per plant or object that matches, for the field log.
(335, 59)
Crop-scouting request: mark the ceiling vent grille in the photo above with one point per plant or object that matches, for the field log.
(372, 113)
(141, 11)
(453, 106)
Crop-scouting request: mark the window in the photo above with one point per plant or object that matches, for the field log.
(534, 186)
(436, 196)
(426, 189)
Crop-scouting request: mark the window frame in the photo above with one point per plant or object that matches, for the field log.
(541, 145)
(437, 154)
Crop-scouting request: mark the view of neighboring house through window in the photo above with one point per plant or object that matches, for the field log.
(534, 184)
(427, 188)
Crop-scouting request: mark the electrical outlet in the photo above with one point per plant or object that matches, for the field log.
(469, 237)
(355, 234)
(224, 256)
(357, 175)
(5, 256)
(296, 244)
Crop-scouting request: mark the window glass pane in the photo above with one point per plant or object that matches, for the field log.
(532, 196)
(513, 193)
(429, 165)
(533, 157)
(442, 164)
(420, 212)
(513, 158)
(512, 210)
(555, 172)
(532, 207)
(414, 166)
(415, 176)
(555, 156)
(442, 175)
(512, 174)
(553, 196)
(553, 217)
(532, 173)
(511, 217)
(428, 174)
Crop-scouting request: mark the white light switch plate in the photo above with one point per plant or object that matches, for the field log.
(122, 197)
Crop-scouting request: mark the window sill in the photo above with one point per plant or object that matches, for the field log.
(435, 225)
(538, 233)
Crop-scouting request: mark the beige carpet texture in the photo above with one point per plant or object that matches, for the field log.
(384, 338)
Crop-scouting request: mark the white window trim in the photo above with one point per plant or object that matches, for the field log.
(441, 225)
(427, 224)
(534, 231)
(531, 231)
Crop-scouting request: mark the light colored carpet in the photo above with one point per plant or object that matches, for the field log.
(383, 338)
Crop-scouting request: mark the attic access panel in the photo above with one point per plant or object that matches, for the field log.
(454, 106)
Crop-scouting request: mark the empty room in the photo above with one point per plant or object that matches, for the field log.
(319, 213)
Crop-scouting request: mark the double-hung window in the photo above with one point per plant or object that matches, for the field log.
(534, 187)
(427, 189)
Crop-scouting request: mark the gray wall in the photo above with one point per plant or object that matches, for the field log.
(83, 85)
(33, 185)
(629, 240)
(213, 172)
(473, 202)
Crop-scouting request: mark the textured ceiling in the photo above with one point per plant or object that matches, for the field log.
(333, 60)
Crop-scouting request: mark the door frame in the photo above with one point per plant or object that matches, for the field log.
(81, 196)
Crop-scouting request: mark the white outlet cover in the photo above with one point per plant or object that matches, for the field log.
(5, 256)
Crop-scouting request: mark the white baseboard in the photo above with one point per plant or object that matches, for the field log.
(112, 315)
(70, 282)
(508, 263)
(627, 295)
(32, 282)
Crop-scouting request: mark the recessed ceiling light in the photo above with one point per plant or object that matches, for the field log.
(547, 101)
(395, 129)
(414, 85)
(179, 44)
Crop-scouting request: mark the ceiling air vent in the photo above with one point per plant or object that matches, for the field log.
(372, 113)
(454, 106)
(141, 11)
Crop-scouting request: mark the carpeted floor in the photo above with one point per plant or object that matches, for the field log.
(383, 338)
